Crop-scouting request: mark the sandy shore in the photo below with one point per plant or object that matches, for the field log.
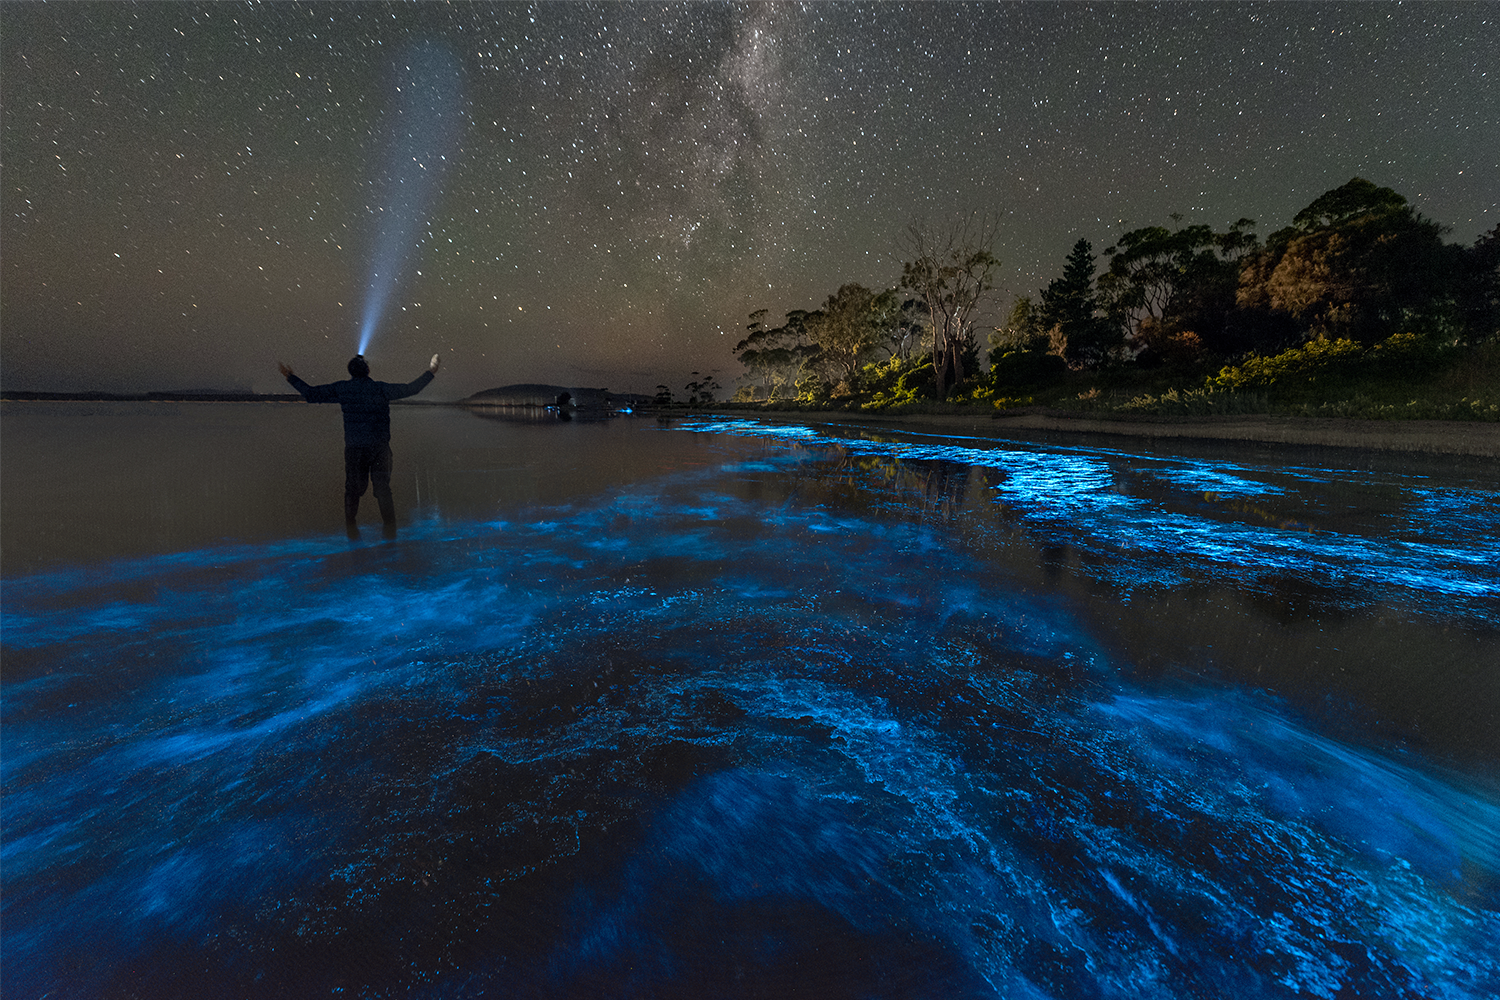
(1433, 437)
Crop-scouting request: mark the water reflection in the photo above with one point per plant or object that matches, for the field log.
(868, 716)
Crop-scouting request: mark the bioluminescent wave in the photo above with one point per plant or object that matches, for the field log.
(424, 125)
(761, 726)
(1166, 519)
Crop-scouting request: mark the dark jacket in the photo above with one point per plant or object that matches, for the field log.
(365, 402)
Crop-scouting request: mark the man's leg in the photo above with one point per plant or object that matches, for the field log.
(356, 472)
(380, 485)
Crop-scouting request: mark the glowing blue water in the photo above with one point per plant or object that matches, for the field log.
(425, 124)
(1081, 497)
(814, 712)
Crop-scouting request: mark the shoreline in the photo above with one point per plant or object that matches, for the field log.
(1477, 439)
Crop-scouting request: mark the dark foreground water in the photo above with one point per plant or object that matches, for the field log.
(728, 709)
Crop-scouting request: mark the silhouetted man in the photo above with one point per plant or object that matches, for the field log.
(367, 432)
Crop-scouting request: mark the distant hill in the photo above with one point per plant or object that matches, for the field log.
(533, 394)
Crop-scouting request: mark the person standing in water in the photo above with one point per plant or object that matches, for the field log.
(367, 432)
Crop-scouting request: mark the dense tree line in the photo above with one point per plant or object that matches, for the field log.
(1358, 264)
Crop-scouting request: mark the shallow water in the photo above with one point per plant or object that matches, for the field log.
(727, 708)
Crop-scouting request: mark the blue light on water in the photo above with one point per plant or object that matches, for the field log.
(424, 127)
(626, 744)
(1079, 496)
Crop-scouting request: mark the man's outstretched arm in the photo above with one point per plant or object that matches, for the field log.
(311, 393)
(416, 385)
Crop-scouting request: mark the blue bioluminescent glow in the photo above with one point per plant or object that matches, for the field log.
(425, 123)
(1146, 528)
(763, 716)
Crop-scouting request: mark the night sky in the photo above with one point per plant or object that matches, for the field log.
(597, 195)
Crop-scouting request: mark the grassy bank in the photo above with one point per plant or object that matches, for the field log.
(1398, 397)
(1403, 378)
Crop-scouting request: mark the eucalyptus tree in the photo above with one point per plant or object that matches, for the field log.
(853, 322)
(1023, 327)
(777, 355)
(909, 328)
(702, 389)
(1163, 282)
(951, 268)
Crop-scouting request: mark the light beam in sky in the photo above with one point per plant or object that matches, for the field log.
(427, 120)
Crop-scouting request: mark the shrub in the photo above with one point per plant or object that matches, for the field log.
(1197, 403)
(1297, 367)
(1408, 354)
(1328, 363)
(985, 394)
(812, 388)
(899, 381)
(1025, 368)
(1364, 408)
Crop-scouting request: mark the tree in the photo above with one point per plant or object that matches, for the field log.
(1023, 327)
(1070, 312)
(1358, 262)
(1345, 204)
(1165, 284)
(951, 269)
(702, 389)
(1479, 294)
(909, 328)
(776, 355)
(1021, 352)
(853, 322)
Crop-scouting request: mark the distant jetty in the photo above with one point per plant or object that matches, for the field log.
(532, 395)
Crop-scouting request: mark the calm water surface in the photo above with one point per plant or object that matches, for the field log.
(728, 708)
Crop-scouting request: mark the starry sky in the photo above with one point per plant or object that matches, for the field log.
(598, 194)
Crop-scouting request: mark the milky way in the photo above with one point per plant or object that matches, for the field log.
(188, 187)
